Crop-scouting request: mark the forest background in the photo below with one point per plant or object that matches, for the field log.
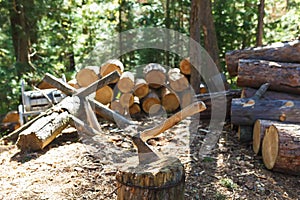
(39, 36)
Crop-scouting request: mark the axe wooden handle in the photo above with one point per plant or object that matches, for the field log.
(174, 119)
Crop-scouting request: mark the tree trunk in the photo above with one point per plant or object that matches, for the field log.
(260, 24)
(269, 95)
(195, 23)
(247, 111)
(155, 75)
(278, 52)
(281, 148)
(162, 179)
(283, 77)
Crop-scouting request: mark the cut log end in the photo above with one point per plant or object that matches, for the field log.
(185, 66)
(86, 76)
(256, 137)
(104, 95)
(270, 147)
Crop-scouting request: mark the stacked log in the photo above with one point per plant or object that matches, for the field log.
(269, 118)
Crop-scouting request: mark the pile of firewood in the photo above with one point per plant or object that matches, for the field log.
(268, 112)
(157, 89)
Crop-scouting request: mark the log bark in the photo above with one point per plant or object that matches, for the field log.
(163, 179)
(155, 75)
(259, 129)
(284, 77)
(247, 111)
(117, 107)
(186, 97)
(126, 82)
(178, 82)
(141, 88)
(43, 131)
(126, 100)
(104, 95)
(110, 66)
(151, 104)
(169, 100)
(281, 148)
(279, 52)
(269, 95)
(87, 76)
(185, 66)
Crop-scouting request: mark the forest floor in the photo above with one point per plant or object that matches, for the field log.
(75, 166)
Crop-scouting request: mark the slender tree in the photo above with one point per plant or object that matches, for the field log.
(260, 25)
(194, 48)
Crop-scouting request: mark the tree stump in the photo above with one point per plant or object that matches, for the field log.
(163, 179)
(281, 148)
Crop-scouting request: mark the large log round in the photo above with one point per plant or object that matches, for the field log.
(151, 103)
(126, 82)
(281, 148)
(169, 100)
(110, 66)
(284, 77)
(155, 75)
(280, 52)
(163, 179)
(141, 88)
(105, 95)
(87, 76)
(178, 82)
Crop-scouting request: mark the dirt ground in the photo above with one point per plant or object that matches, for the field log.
(76, 166)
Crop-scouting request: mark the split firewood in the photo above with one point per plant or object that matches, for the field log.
(278, 52)
(178, 82)
(110, 66)
(155, 75)
(87, 76)
(185, 66)
(284, 77)
(126, 82)
(105, 95)
(141, 88)
(169, 100)
(281, 148)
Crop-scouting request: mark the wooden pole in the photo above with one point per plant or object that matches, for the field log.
(162, 179)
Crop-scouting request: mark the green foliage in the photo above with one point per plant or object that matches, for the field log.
(228, 183)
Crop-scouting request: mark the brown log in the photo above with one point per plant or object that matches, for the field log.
(162, 179)
(247, 111)
(155, 75)
(126, 100)
(141, 88)
(185, 66)
(169, 100)
(281, 148)
(73, 83)
(151, 103)
(110, 66)
(269, 95)
(117, 107)
(279, 52)
(283, 77)
(173, 120)
(87, 76)
(259, 129)
(126, 82)
(104, 95)
(135, 108)
(178, 82)
(186, 97)
(43, 131)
